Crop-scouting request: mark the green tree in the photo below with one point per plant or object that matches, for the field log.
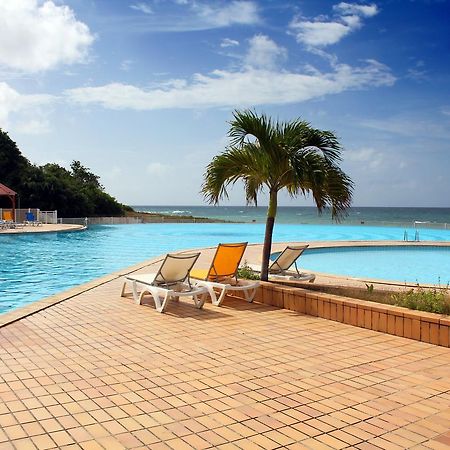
(271, 155)
(12, 164)
(85, 176)
(74, 193)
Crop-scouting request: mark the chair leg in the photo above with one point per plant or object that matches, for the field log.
(199, 300)
(162, 305)
(212, 294)
(136, 296)
(250, 294)
(218, 301)
(123, 294)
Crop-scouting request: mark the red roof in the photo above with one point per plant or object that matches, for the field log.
(5, 190)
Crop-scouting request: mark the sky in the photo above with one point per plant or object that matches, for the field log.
(142, 91)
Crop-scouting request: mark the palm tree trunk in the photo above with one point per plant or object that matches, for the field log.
(271, 213)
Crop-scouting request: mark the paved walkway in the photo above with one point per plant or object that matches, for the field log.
(97, 371)
(44, 228)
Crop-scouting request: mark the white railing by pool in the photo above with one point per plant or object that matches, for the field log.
(48, 216)
(74, 220)
(20, 215)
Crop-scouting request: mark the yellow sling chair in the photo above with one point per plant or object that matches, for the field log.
(222, 274)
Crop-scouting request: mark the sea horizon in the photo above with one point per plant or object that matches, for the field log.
(358, 215)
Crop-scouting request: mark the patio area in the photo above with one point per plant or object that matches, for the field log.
(97, 371)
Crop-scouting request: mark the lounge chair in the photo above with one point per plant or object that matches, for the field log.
(284, 260)
(222, 274)
(171, 281)
(8, 221)
(30, 219)
(8, 216)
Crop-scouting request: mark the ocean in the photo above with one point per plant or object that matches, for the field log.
(422, 217)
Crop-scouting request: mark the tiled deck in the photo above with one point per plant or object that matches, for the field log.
(98, 371)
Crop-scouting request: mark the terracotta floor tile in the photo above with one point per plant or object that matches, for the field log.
(98, 370)
(44, 441)
(264, 442)
(61, 438)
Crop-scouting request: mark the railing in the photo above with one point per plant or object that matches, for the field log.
(385, 223)
(20, 215)
(48, 217)
(74, 220)
(114, 220)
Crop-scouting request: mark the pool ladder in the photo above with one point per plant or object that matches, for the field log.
(416, 236)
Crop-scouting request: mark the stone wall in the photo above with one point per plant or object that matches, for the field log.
(403, 322)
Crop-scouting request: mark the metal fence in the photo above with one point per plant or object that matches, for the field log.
(74, 220)
(114, 220)
(99, 220)
(413, 224)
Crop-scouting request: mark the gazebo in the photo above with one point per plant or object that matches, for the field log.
(5, 191)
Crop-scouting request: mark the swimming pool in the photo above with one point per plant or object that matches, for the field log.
(414, 264)
(34, 266)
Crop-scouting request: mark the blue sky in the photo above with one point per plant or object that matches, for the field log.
(141, 91)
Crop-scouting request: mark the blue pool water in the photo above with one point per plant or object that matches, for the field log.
(423, 265)
(34, 266)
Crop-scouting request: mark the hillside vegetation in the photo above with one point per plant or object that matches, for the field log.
(74, 193)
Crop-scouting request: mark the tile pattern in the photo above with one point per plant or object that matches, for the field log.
(99, 372)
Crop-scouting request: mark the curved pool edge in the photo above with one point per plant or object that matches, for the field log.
(45, 228)
(46, 302)
(252, 255)
(378, 281)
(39, 305)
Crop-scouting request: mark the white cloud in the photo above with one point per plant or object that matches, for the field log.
(354, 8)
(409, 126)
(198, 15)
(264, 53)
(247, 87)
(229, 43)
(234, 12)
(12, 102)
(126, 64)
(38, 36)
(33, 126)
(142, 7)
(321, 31)
(157, 169)
(366, 157)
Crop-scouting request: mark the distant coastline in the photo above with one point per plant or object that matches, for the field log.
(377, 216)
(152, 217)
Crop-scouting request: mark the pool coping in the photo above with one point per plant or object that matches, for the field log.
(47, 302)
(59, 228)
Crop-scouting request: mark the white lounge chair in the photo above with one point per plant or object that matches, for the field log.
(171, 281)
(279, 269)
(222, 274)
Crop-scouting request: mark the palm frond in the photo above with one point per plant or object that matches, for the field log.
(280, 155)
(246, 163)
(247, 123)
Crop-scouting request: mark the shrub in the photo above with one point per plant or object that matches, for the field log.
(247, 273)
(430, 300)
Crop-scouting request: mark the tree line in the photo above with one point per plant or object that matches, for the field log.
(74, 192)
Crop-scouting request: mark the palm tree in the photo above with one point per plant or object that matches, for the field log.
(272, 155)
